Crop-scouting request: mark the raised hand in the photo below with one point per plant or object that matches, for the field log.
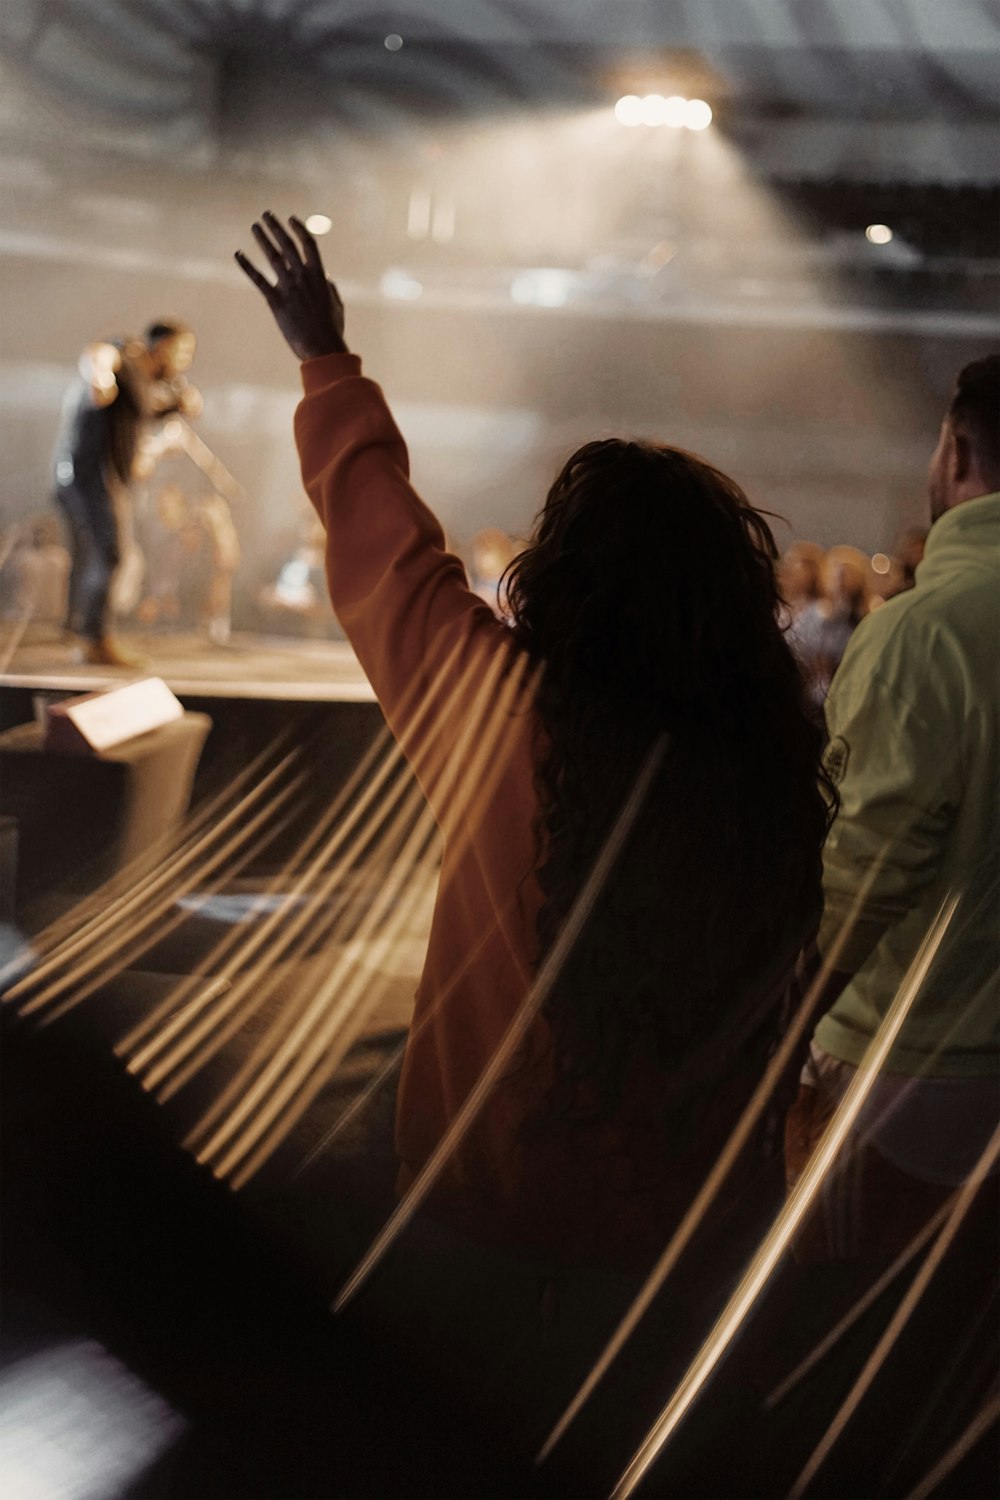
(306, 307)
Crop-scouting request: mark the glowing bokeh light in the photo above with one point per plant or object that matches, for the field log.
(878, 234)
(675, 111)
(653, 108)
(697, 114)
(880, 563)
(393, 42)
(319, 224)
(628, 110)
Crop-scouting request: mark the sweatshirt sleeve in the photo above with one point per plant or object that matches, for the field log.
(899, 785)
(423, 638)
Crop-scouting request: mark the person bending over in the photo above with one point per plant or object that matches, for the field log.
(122, 386)
(643, 618)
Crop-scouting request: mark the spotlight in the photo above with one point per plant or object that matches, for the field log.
(628, 110)
(878, 234)
(393, 42)
(697, 114)
(880, 563)
(653, 109)
(319, 224)
(675, 111)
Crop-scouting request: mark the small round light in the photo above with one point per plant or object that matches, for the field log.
(880, 563)
(697, 115)
(654, 109)
(393, 42)
(878, 234)
(319, 224)
(628, 110)
(675, 110)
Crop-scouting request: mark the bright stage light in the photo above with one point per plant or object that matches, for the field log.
(319, 224)
(878, 234)
(675, 111)
(697, 114)
(653, 108)
(628, 110)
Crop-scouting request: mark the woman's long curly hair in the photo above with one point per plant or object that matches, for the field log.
(648, 593)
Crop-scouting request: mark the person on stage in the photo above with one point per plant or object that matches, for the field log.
(123, 385)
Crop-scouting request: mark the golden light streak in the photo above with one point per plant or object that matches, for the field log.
(329, 885)
(360, 1103)
(112, 943)
(897, 1322)
(514, 1034)
(260, 1105)
(264, 930)
(976, 1430)
(361, 997)
(123, 908)
(235, 937)
(779, 1237)
(861, 1306)
(486, 700)
(728, 1157)
(266, 824)
(354, 1008)
(253, 983)
(56, 942)
(231, 1005)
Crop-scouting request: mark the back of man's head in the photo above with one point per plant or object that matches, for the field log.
(975, 415)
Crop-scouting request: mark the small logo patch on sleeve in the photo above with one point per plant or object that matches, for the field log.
(838, 752)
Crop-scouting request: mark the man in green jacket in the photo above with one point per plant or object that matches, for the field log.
(914, 723)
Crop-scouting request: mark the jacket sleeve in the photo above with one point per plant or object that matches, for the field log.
(898, 782)
(424, 640)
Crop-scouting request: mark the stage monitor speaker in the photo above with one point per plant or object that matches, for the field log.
(97, 722)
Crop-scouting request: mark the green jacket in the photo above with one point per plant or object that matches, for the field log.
(913, 720)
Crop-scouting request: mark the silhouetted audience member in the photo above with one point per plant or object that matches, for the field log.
(914, 722)
(800, 574)
(820, 633)
(644, 639)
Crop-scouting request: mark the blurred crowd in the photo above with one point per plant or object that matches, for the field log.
(827, 594)
(190, 553)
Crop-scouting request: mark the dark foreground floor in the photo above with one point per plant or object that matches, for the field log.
(177, 1339)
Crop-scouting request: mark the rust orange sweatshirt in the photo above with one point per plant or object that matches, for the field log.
(450, 680)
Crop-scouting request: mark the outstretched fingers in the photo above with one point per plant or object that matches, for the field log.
(260, 282)
(279, 264)
(287, 246)
(310, 249)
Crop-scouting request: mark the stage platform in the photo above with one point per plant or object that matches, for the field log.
(267, 668)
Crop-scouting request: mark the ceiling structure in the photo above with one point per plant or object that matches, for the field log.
(841, 112)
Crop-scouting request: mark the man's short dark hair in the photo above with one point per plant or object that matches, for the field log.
(157, 331)
(975, 412)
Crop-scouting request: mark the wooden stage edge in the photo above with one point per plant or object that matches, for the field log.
(273, 668)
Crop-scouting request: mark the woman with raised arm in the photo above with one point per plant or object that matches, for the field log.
(643, 618)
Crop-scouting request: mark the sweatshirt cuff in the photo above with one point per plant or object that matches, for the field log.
(317, 374)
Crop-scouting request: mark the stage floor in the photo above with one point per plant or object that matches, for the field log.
(249, 666)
